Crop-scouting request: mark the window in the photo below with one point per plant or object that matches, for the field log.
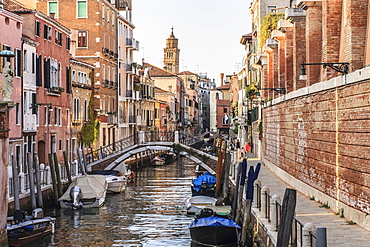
(33, 64)
(60, 145)
(271, 9)
(25, 60)
(17, 113)
(76, 109)
(37, 28)
(225, 110)
(53, 8)
(18, 59)
(60, 117)
(68, 39)
(82, 39)
(86, 111)
(74, 75)
(81, 9)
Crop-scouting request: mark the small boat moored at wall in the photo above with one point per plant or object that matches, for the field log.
(86, 191)
(22, 229)
(157, 161)
(196, 203)
(115, 179)
(210, 230)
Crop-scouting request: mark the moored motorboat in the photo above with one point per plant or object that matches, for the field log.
(204, 185)
(196, 203)
(115, 179)
(86, 191)
(210, 230)
(157, 161)
(22, 229)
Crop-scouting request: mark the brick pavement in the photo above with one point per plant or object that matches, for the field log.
(339, 232)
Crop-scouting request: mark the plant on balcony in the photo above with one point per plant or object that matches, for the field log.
(90, 129)
(269, 23)
(137, 87)
(57, 40)
(235, 107)
(251, 91)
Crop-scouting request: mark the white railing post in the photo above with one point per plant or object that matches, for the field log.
(275, 199)
(264, 192)
(22, 179)
(48, 175)
(308, 227)
(256, 193)
(141, 136)
(177, 136)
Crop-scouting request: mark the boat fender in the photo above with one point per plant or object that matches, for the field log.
(52, 227)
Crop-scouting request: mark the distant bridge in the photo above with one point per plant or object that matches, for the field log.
(142, 142)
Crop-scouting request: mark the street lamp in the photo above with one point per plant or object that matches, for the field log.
(339, 67)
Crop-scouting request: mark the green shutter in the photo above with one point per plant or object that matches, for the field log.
(53, 8)
(81, 6)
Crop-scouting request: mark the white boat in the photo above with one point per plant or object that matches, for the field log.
(115, 179)
(157, 161)
(196, 203)
(86, 191)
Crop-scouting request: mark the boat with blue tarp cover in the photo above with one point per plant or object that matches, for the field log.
(214, 231)
(204, 185)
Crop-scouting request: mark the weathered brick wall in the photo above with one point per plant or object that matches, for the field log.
(323, 139)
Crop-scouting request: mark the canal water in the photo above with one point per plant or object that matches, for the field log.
(149, 213)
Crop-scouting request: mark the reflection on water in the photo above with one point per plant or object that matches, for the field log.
(149, 213)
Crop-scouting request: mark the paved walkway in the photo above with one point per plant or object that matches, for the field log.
(339, 232)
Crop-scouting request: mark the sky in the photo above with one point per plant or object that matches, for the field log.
(209, 33)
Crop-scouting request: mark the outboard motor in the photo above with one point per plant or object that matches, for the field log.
(76, 196)
(203, 190)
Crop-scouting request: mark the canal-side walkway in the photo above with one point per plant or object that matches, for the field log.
(339, 232)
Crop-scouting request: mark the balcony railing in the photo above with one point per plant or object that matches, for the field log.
(128, 93)
(132, 43)
(112, 118)
(132, 119)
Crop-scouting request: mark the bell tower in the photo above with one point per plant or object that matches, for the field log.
(171, 54)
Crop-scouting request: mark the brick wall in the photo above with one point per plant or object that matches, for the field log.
(323, 140)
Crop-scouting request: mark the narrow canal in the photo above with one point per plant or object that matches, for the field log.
(149, 213)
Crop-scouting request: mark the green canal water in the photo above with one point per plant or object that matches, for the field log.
(149, 213)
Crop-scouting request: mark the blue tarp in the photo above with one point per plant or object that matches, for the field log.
(213, 222)
(209, 179)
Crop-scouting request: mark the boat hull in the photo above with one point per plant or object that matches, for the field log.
(210, 236)
(214, 231)
(87, 203)
(29, 230)
(116, 186)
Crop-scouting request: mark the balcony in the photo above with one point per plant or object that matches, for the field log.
(55, 90)
(132, 43)
(128, 67)
(132, 119)
(129, 93)
(112, 118)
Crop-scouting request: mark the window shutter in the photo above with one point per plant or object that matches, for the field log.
(38, 71)
(47, 73)
(45, 31)
(68, 80)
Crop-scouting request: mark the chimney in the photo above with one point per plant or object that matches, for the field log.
(222, 78)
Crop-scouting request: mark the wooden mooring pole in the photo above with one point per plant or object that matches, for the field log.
(38, 181)
(286, 221)
(54, 180)
(31, 180)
